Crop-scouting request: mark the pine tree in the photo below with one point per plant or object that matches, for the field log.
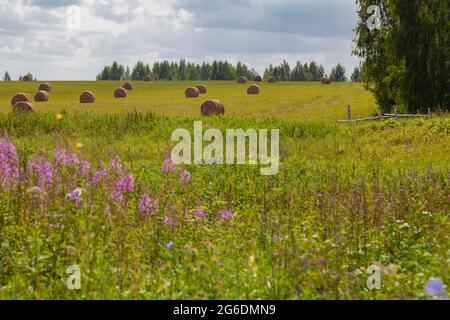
(356, 75)
(6, 77)
(338, 73)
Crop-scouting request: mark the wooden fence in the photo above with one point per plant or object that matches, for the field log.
(382, 116)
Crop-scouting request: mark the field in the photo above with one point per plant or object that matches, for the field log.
(307, 101)
(347, 199)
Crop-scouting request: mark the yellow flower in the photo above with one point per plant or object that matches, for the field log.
(59, 116)
(79, 145)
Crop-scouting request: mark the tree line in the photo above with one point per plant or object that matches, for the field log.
(222, 70)
(406, 57)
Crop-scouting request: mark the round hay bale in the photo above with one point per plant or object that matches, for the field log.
(272, 79)
(120, 93)
(23, 106)
(325, 80)
(87, 97)
(241, 79)
(41, 96)
(20, 97)
(192, 92)
(212, 108)
(148, 78)
(45, 87)
(27, 77)
(127, 86)
(258, 79)
(253, 89)
(202, 88)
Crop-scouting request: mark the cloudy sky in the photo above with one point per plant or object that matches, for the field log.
(74, 39)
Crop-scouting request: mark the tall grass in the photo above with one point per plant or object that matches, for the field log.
(347, 197)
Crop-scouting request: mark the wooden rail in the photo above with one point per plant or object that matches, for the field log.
(382, 116)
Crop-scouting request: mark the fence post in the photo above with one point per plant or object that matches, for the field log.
(349, 113)
(429, 112)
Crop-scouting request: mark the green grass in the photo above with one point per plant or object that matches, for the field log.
(288, 100)
(346, 197)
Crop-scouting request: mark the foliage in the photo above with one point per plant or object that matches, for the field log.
(406, 61)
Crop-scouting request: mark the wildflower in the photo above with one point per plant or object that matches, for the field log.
(59, 116)
(185, 177)
(435, 287)
(168, 221)
(85, 166)
(121, 186)
(75, 195)
(79, 145)
(9, 164)
(170, 245)
(200, 213)
(98, 175)
(226, 215)
(169, 164)
(60, 156)
(43, 169)
(115, 165)
(65, 158)
(147, 206)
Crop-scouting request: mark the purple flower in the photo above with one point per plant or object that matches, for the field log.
(9, 164)
(85, 167)
(435, 287)
(185, 177)
(147, 206)
(122, 186)
(170, 245)
(200, 213)
(115, 165)
(65, 158)
(168, 221)
(169, 164)
(43, 170)
(98, 175)
(75, 196)
(226, 215)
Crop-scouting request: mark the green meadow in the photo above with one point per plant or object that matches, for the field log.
(348, 198)
(288, 100)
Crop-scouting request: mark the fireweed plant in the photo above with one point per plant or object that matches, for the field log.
(72, 182)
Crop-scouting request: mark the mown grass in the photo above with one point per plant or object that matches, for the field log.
(346, 197)
(287, 100)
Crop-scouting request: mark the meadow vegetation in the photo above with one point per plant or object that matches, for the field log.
(94, 187)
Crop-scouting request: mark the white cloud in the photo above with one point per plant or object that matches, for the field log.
(34, 35)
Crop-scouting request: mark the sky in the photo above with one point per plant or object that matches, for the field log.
(74, 39)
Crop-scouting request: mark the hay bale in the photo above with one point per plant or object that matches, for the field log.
(120, 93)
(258, 79)
(41, 96)
(148, 78)
(28, 77)
(325, 80)
(20, 97)
(241, 79)
(202, 88)
(272, 79)
(23, 106)
(45, 87)
(212, 108)
(127, 86)
(87, 97)
(191, 92)
(253, 89)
